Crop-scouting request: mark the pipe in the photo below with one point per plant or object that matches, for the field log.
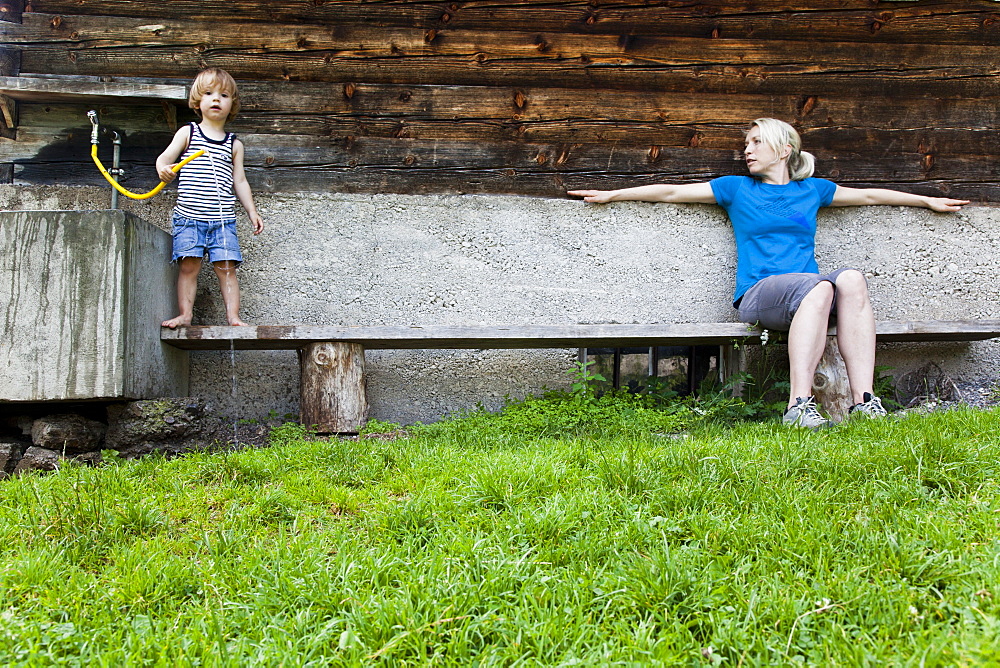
(92, 115)
(115, 170)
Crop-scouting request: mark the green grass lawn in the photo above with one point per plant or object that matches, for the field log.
(471, 544)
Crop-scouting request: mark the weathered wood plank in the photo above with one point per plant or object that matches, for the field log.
(365, 41)
(472, 180)
(289, 337)
(473, 71)
(268, 156)
(35, 89)
(969, 22)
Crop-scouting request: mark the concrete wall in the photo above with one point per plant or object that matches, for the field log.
(398, 259)
(83, 293)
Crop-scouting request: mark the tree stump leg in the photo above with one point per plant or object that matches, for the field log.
(332, 387)
(732, 361)
(830, 384)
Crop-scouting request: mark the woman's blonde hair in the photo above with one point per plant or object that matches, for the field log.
(210, 78)
(779, 134)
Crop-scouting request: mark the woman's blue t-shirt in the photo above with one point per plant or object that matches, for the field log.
(774, 225)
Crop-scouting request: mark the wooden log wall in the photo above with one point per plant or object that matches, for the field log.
(528, 97)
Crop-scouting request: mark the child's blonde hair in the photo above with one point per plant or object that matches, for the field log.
(779, 134)
(210, 78)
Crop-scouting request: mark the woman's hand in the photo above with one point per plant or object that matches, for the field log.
(593, 196)
(945, 204)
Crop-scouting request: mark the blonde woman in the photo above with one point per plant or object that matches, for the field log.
(778, 284)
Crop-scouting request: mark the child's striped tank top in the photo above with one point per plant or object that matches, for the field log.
(205, 185)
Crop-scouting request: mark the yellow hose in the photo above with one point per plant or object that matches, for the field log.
(158, 188)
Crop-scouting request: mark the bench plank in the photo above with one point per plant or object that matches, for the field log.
(292, 337)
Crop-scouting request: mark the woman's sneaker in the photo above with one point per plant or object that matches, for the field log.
(870, 407)
(804, 414)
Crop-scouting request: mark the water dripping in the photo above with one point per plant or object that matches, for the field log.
(235, 396)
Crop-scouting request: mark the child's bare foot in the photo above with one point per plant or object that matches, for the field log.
(236, 322)
(179, 321)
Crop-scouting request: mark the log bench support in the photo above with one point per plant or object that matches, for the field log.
(332, 358)
(332, 390)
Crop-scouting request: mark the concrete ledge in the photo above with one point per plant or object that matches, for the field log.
(84, 295)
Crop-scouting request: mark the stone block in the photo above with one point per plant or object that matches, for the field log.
(84, 295)
(37, 459)
(69, 434)
(10, 454)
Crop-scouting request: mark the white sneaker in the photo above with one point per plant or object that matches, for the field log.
(870, 407)
(804, 414)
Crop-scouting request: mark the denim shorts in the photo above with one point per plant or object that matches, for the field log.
(773, 301)
(195, 238)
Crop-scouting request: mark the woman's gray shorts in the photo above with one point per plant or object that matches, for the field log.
(773, 301)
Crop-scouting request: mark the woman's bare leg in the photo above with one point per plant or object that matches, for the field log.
(856, 332)
(807, 339)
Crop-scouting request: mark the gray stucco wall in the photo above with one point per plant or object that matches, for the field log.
(400, 259)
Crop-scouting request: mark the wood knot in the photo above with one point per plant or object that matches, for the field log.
(987, 22)
(563, 157)
(807, 105)
(349, 89)
(322, 358)
(716, 33)
(875, 26)
(695, 140)
(430, 35)
(509, 172)
(405, 96)
(590, 20)
(541, 45)
(56, 21)
(653, 153)
(269, 160)
(409, 160)
(301, 42)
(445, 17)
(541, 158)
(520, 99)
(927, 161)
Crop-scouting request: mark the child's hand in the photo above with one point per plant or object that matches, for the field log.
(166, 174)
(258, 223)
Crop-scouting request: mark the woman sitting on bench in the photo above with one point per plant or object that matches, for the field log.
(778, 284)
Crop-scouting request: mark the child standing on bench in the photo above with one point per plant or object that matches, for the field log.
(204, 219)
(778, 284)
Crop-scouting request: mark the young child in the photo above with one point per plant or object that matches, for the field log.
(204, 219)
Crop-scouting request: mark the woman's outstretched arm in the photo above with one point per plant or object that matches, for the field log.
(881, 196)
(691, 193)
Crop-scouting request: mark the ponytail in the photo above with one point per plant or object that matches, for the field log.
(779, 134)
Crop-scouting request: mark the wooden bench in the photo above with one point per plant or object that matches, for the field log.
(332, 358)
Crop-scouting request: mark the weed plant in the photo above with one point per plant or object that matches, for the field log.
(526, 541)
